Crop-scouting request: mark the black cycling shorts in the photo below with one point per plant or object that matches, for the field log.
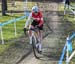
(35, 23)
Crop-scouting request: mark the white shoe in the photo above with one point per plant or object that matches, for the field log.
(40, 47)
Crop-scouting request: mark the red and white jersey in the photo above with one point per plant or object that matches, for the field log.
(38, 17)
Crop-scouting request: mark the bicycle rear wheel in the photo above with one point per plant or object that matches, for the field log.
(34, 48)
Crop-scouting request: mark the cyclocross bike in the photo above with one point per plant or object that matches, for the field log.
(34, 41)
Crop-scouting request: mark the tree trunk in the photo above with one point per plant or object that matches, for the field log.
(4, 7)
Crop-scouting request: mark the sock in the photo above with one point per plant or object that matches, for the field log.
(30, 39)
(40, 47)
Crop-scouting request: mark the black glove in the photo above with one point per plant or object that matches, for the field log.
(24, 30)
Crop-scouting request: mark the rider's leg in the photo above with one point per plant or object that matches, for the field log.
(40, 40)
(30, 34)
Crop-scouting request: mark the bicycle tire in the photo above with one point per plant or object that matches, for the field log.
(34, 48)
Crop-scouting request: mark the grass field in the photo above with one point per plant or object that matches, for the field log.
(8, 31)
(69, 15)
(10, 27)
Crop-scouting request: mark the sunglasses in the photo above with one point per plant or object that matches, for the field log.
(35, 12)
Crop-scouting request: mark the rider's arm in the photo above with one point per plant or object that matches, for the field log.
(28, 20)
(41, 20)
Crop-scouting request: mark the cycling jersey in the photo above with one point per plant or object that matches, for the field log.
(38, 17)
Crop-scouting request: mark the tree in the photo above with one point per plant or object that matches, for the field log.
(4, 7)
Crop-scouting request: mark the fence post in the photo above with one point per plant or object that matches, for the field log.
(1, 34)
(64, 11)
(25, 6)
(71, 56)
(67, 52)
(15, 28)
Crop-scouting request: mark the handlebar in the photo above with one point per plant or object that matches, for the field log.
(33, 29)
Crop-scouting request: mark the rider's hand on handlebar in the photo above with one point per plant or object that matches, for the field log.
(25, 31)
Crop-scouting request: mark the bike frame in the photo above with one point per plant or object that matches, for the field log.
(34, 40)
(34, 35)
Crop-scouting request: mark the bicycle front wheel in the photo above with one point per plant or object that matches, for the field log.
(34, 47)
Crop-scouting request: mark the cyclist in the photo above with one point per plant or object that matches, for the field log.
(37, 21)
